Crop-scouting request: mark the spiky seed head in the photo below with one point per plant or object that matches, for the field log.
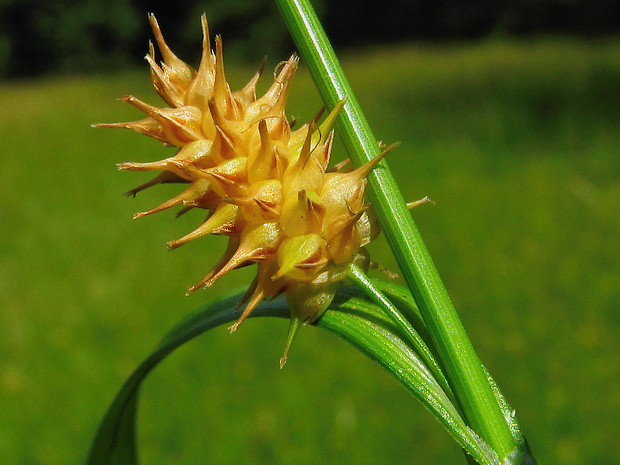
(268, 188)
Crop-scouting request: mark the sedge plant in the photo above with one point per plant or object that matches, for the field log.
(304, 224)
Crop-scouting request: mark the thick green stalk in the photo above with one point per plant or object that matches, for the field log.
(462, 366)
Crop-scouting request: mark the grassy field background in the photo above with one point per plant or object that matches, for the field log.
(517, 143)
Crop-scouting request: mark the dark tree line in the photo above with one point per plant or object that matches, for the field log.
(61, 36)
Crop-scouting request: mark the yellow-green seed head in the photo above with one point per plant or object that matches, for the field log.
(268, 188)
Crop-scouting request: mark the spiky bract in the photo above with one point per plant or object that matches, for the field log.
(267, 187)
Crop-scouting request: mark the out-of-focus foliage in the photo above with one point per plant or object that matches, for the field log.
(517, 142)
(69, 36)
(38, 36)
(459, 19)
(41, 36)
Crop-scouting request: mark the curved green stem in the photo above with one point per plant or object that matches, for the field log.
(459, 360)
(521, 455)
(359, 278)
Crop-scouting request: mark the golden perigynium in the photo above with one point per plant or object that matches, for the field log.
(267, 187)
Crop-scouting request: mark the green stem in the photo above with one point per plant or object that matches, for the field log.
(461, 364)
(359, 278)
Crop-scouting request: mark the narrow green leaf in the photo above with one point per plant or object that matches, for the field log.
(114, 442)
(352, 316)
(411, 335)
(365, 325)
(458, 357)
(401, 297)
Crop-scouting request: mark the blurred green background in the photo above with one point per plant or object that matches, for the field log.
(516, 140)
